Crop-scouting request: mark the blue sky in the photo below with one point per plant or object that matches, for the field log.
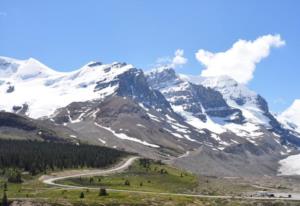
(65, 35)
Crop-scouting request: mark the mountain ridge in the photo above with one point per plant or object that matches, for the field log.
(158, 114)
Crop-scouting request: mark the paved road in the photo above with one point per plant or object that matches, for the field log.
(50, 180)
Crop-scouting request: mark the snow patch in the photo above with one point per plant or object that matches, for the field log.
(153, 117)
(177, 135)
(290, 165)
(126, 137)
(189, 138)
(142, 105)
(291, 117)
(140, 125)
(102, 141)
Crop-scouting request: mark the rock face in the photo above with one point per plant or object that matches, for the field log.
(214, 126)
(238, 119)
(136, 118)
(134, 85)
(253, 106)
(193, 98)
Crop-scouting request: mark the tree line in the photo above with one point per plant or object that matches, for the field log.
(36, 157)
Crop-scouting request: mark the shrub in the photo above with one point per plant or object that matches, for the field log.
(127, 183)
(103, 192)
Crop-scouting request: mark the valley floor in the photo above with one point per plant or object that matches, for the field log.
(148, 183)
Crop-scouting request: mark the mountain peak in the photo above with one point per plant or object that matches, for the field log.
(33, 68)
(166, 69)
(162, 76)
(9, 59)
(8, 66)
(23, 69)
(229, 87)
(220, 81)
(94, 63)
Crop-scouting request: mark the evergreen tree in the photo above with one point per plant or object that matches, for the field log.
(5, 187)
(38, 157)
(81, 195)
(4, 200)
(14, 176)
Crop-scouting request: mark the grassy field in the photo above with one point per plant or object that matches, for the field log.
(156, 177)
(72, 197)
(171, 180)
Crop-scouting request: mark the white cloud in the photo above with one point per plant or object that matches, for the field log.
(177, 61)
(240, 60)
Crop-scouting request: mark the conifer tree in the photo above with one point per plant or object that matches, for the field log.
(81, 195)
(4, 200)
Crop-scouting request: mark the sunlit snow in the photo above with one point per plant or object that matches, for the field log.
(290, 165)
(44, 90)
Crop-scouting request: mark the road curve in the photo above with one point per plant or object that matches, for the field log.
(50, 180)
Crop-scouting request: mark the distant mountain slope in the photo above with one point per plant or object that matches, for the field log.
(158, 114)
(219, 104)
(13, 126)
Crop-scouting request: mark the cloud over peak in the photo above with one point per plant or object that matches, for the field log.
(238, 62)
(179, 58)
(176, 61)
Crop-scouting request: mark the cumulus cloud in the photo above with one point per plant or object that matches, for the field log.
(240, 60)
(176, 61)
(179, 59)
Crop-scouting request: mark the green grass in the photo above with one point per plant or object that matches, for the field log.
(71, 197)
(142, 179)
(176, 181)
(170, 182)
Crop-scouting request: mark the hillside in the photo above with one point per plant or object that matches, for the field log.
(193, 123)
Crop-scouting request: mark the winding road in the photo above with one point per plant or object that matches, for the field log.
(50, 180)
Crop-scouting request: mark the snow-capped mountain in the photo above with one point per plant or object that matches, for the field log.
(252, 106)
(40, 90)
(79, 98)
(238, 118)
(159, 114)
(219, 104)
(291, 117)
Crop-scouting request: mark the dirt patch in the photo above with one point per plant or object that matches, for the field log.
(28, 203)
